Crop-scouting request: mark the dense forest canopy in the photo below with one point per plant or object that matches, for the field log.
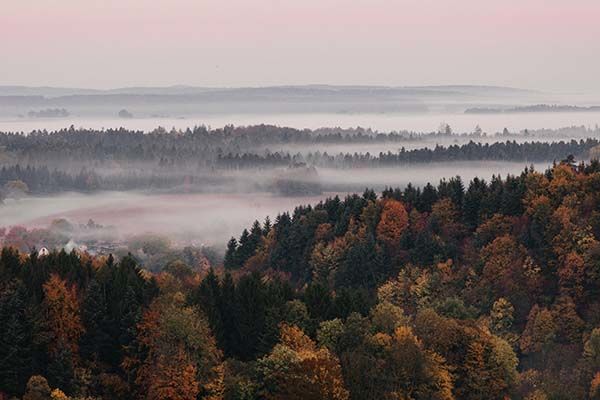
(478, 290)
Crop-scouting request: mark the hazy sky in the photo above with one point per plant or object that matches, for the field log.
(540, 44)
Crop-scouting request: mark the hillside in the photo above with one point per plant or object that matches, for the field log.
(484, 291)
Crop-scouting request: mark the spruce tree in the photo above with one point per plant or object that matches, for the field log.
(231, 261)
(250, 314)
(60, 372)
(96, 341)
(15, 338)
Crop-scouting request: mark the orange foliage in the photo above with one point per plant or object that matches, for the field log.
(571, 275)
(415, 372)
(564, 181)
(503, 267)
(595, 387)
(393, 223)
(61, 312)
(172, 378)
(180, 354)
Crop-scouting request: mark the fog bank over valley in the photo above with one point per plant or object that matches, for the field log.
(212, 218)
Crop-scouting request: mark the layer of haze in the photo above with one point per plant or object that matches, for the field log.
(539, 44)
(212, 218)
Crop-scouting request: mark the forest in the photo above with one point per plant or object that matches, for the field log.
(202, 146)
(460, 290)
(279, 160)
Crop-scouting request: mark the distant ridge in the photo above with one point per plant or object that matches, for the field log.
(537, 108)
(47, 91)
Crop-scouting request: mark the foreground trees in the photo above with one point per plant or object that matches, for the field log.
(176, 356)
(484, 292)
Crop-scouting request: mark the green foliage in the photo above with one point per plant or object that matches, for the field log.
(15, 337)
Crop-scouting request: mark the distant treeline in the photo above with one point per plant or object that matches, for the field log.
(43, 180)
(203, 146)
(472, 151)
(49, 113)
(166, 173)
(532, 108)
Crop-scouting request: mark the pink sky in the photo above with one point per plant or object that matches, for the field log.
(543, 44)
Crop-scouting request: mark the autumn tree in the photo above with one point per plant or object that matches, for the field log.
(392, 224)
(502, 315)
(408, 370)
(37, 389)
(61, 315)
(539, 332)
(571, 275)
(325, 260)
(595, 387)
(297, 369)
(179, 359)
(503, 274)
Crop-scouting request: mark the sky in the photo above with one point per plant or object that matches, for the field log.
(549, 45)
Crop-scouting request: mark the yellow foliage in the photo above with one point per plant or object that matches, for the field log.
(298, 370)
(58, 394)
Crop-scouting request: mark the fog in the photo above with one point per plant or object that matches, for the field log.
(186, 218)
(196, 197)
(383, 122)
(418, 174)
(382, 108)
(211, 218)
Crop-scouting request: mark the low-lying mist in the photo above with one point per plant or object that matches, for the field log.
(211, 218)
(186, 218)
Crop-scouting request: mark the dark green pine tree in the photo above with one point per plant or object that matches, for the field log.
(207, 296)
(131, 315)
(255, 239)
(250, 314)
(96, 342)
(227, 309)
(317, 298)
(267, 226)
(428, 197)
(15, 338)
(410, 195)
(350, 300)
(369, 195)
(277, 294)
(10, 266)
(60, 372)
(492, 201)
(279, 257)
(231, 260)
(245, 250)
(472, 203)
(360, 265)
(512, 196)
(456, 191)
